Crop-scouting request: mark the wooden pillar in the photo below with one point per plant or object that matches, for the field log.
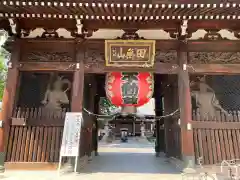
(158, 112)
(157, 143)
(94, 135)
(134, 128)
(167, 120)
(91, 118)
(187, 147)
(77, 92)
(95, 138)
(9, 100)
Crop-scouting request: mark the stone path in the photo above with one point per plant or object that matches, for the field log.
(134, 160)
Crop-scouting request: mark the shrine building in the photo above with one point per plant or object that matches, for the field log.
(66, 55)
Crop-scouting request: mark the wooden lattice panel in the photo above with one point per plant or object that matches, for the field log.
(34, 144)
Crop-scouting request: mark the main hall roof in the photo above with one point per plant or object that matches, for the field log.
(119, 14)
(120, 9)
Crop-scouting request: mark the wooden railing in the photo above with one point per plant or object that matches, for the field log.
(233, 116)
(38, 116)
(217, 139)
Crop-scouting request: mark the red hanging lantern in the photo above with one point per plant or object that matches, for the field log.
(129, 89)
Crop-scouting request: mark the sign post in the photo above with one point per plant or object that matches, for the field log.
(130, 53)
(71, 137)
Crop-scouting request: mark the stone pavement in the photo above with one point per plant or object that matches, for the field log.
(134, 160)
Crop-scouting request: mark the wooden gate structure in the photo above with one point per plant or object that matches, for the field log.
(193, 38)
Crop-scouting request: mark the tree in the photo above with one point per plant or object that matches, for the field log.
(106, 107)
(4, 55)
(3, 71)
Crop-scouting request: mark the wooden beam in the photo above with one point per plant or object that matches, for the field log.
(99, 68)
(214, 68)
(46, 66)
(67, 45)
(32, 166)
(215, 125)
(159, 2)
(94, 24)
(213, 46)
(159, 68)
(213, 24)
(161, 45)
(32, 23)
(162, 24)
(103, 24)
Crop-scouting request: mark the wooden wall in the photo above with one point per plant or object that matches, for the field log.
(218, 139)
(40, 142)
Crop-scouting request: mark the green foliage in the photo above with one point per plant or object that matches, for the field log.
(106, 107)
(3, 72)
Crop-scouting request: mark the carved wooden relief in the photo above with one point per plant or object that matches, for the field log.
(130, 34)
(166, 56)
(47, 56)
(96, 57)
(213, 35)
(93, 57)
(214, 57)
(237, 34)
(39, 33)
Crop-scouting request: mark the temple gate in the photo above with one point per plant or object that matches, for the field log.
(57, 62)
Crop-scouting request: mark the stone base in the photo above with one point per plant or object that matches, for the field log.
(143, 140)
(189, 162)
(83, 161)
(160, 154)
(186, 165)
(2, 160)
(92, 154)
(90, 158)
(69, 166)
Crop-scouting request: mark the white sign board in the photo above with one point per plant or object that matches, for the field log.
(71, 136)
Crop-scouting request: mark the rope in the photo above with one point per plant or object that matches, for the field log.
(98, 115)
(168, 115)
(114, 115)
